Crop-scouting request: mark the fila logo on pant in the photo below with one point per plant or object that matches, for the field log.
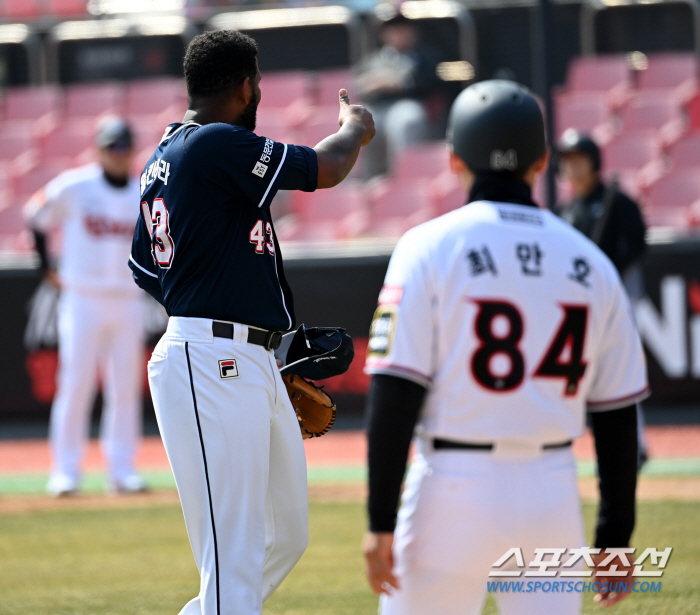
(228, 368)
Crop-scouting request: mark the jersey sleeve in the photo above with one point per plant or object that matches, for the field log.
(620, 378)
(141, 263)
(256, 165)
(403, 327)
(303, 170)
(49, 206)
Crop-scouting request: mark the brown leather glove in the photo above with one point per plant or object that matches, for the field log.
(314, 408)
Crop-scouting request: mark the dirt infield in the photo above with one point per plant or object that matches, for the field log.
(336, 448)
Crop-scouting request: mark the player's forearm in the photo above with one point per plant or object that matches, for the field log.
(615, 434)
(41, 250)
(338, 153)
(393, 405)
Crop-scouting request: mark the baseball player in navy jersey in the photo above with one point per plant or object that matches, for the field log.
(205, 247)
(100, 323)
(498, 328)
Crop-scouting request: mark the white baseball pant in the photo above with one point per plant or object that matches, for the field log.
(237, 455)
(97, 331)
(461, 511)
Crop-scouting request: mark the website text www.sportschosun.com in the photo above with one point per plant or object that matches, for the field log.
(528, 587)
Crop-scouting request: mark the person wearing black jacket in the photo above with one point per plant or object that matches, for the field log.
(620, 231)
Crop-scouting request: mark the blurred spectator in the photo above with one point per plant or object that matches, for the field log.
(607, 216)
(394, 84)
(100, 310)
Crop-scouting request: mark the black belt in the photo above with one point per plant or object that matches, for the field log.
(440, 444)
(260, 337)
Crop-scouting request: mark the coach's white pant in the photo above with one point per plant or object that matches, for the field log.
(238, 458)
(97, 331)
(461, 511)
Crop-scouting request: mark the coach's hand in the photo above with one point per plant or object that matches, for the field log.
(379, 562)
(52, 277)
(356, 113)
(608, 598)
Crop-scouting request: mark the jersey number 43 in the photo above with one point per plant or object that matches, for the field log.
(563, 358)
(156, 220)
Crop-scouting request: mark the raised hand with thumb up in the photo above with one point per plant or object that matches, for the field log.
(356, 113)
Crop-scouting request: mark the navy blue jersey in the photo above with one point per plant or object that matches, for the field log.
(204, 245)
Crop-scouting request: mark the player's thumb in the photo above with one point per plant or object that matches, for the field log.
(344, 98)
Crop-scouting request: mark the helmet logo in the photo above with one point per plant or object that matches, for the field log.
(504, 161)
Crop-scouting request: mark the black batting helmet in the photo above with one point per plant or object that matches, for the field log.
(574, 141)
(497, 125)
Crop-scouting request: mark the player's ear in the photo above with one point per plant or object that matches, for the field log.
(541, 163)
(247, 90)
(457, 165)
(462, 170)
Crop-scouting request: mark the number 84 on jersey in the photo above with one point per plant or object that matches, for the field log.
(498, 363)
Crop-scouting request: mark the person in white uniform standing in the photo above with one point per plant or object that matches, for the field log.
(100, 323)
(499, 328)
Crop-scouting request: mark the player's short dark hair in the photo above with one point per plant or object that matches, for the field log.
(217, 61)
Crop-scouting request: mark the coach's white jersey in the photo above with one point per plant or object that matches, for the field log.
(514, 321)
(97, 222)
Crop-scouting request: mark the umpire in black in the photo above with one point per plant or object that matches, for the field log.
(601, 212)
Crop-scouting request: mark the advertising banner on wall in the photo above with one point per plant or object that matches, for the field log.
(343, 292)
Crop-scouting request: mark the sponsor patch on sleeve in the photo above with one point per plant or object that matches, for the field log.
(260, 169)
(381, 333)
(390, 294)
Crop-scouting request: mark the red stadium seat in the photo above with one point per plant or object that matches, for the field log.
(396, 206)
(146, 133)
(597, 73)
(427, 160)
(446, 192)
(272, 123)
(284, 88)
(330, 82)
(632, 182)
(32, 103)
(693, 110)
(654, 112)
(21, 9)
(153, 96)
(607, 75)
(14, 141)
(686, 153)
(587, 113)
(331, 205)
(69, 140)
(38, 177)
(670, 198)
(631, 151)
(319, 128)
(674, 73)
(93, 100)
(11, 220)
(328, 215)
(65, 8)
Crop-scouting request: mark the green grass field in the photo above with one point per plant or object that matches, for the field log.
(137, 561)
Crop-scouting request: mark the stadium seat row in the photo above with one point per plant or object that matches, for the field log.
(645, 113)
(29, 9)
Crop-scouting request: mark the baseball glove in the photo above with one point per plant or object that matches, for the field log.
(314, 408)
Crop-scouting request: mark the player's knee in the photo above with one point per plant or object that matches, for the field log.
(294, 543)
